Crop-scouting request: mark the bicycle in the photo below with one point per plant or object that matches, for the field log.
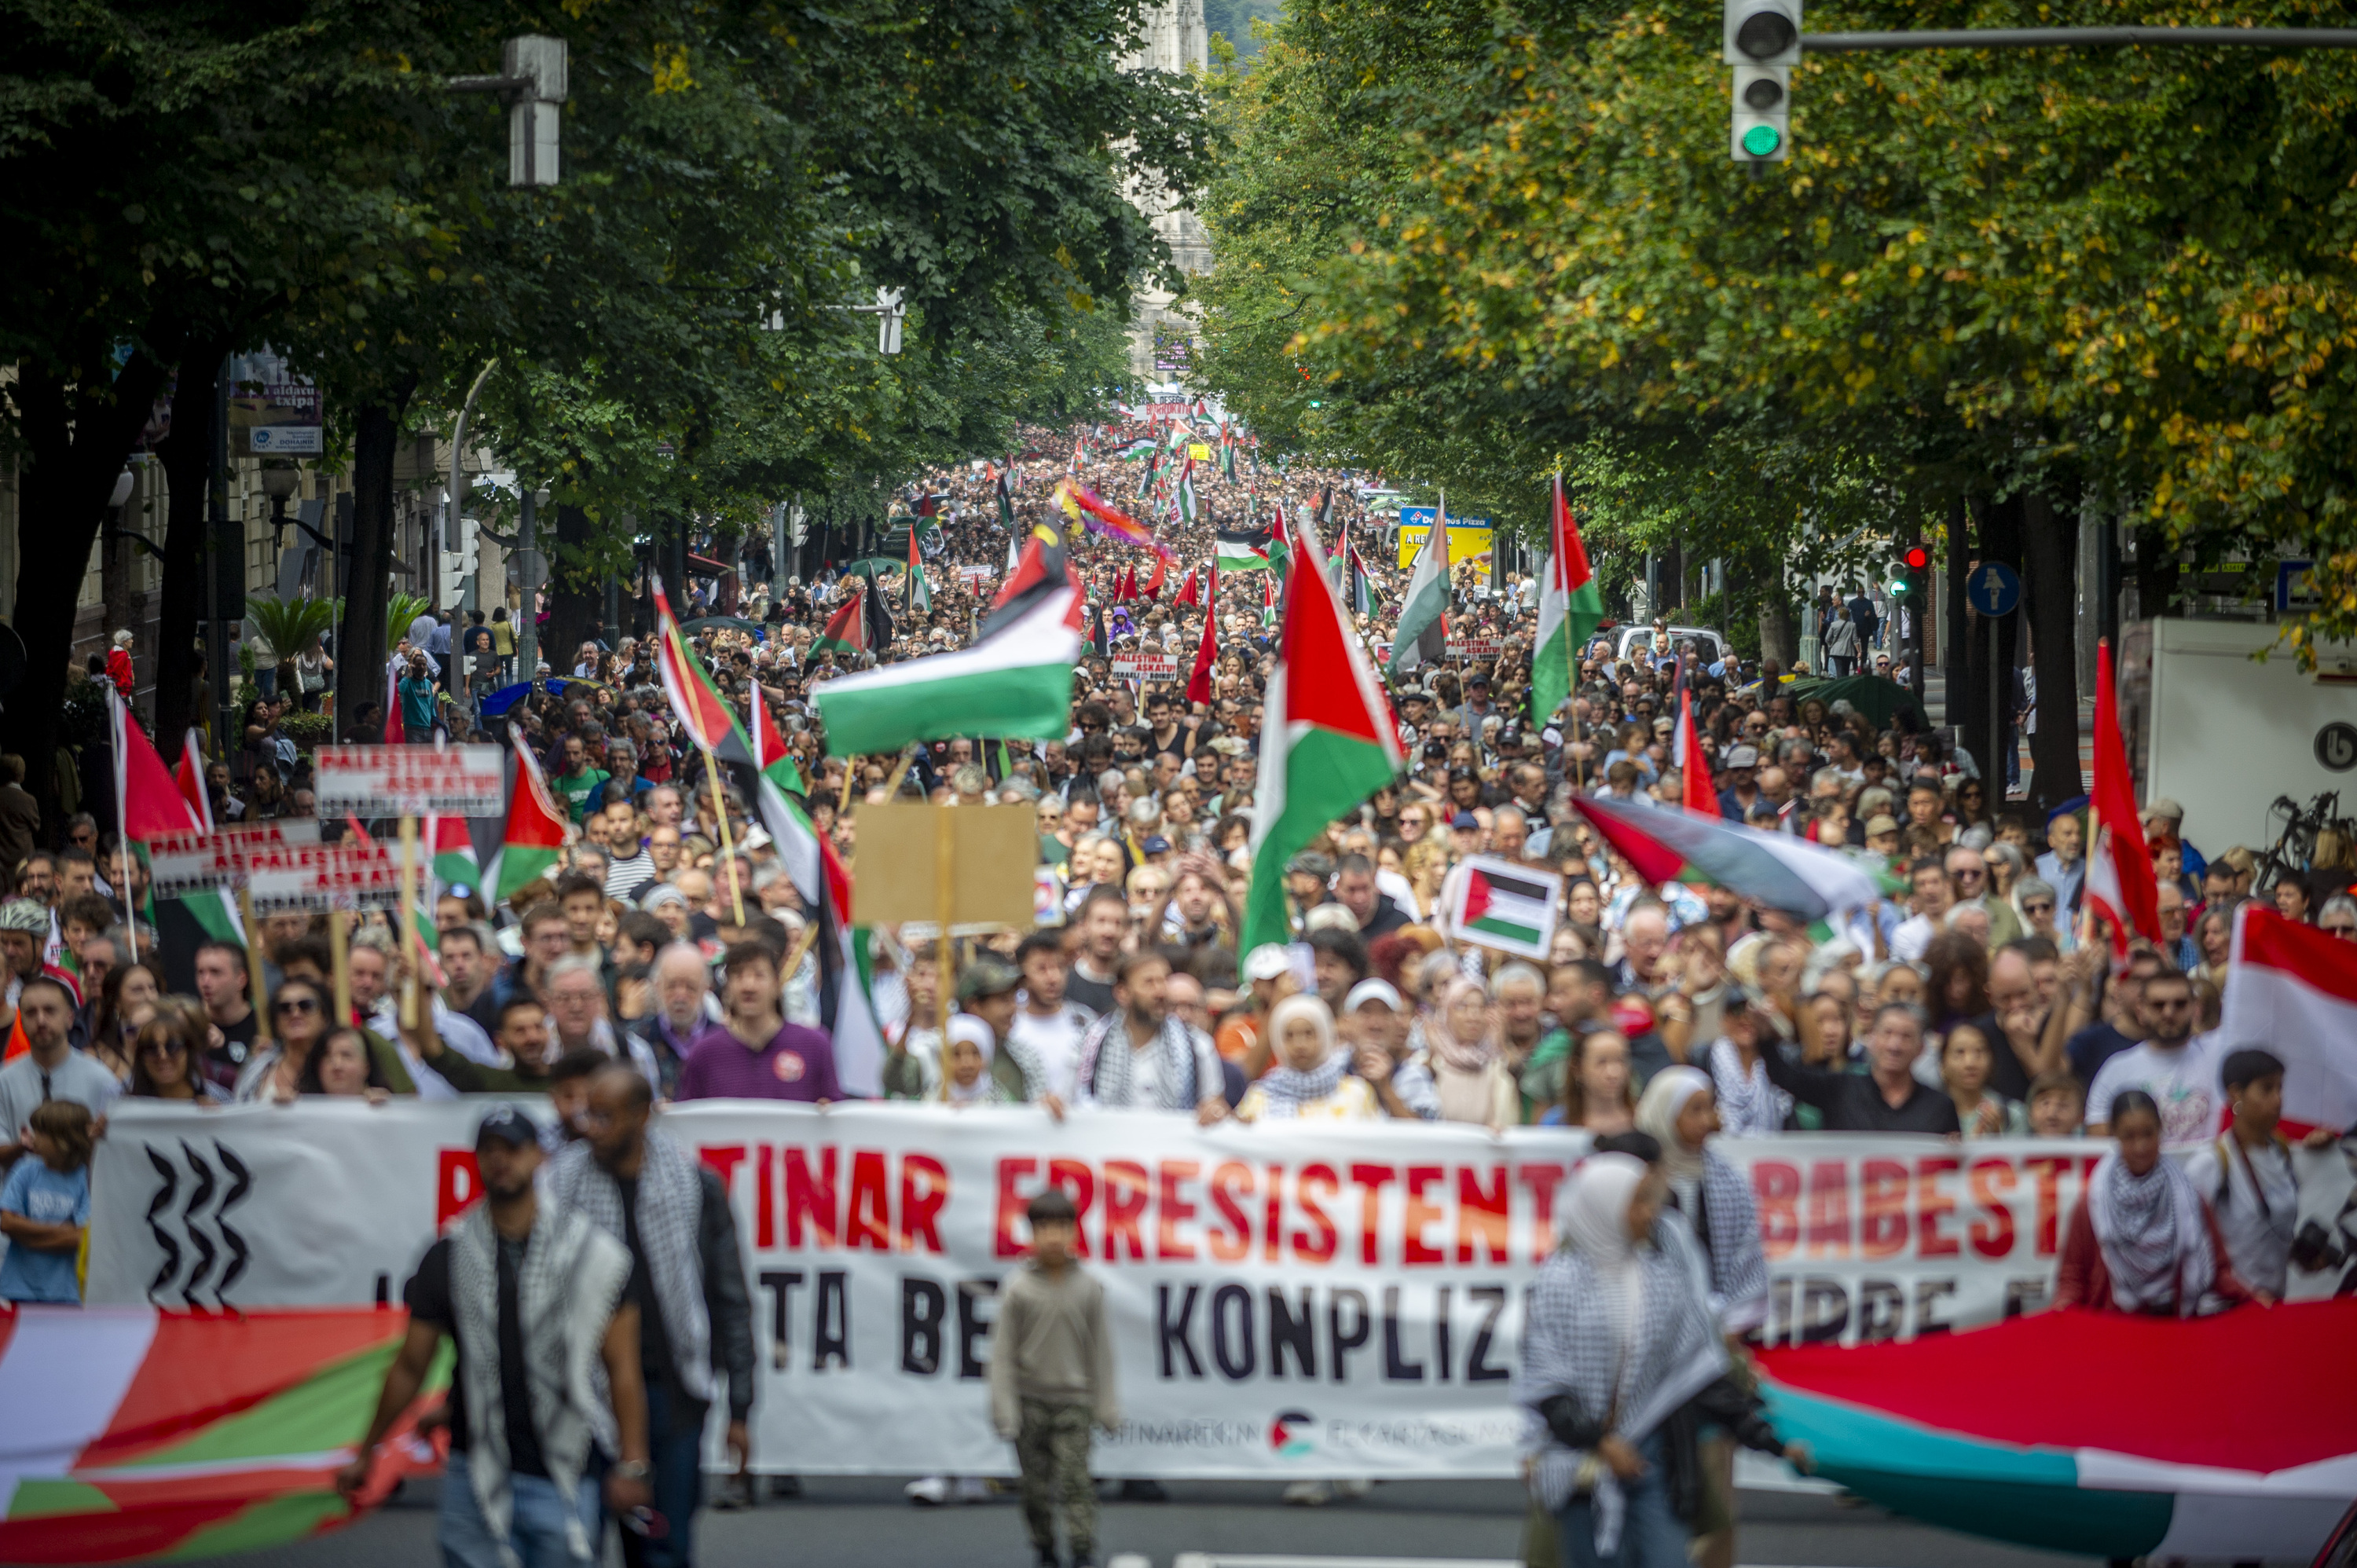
(2294, 850)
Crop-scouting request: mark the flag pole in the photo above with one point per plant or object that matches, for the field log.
(727, 849)
(408, 919)
(120, 716)
(254, 997)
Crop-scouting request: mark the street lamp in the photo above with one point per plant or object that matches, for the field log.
(533, 81)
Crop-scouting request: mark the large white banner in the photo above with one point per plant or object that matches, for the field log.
(1287, 1298)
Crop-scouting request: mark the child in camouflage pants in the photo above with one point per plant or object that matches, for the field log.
(1051, 1377)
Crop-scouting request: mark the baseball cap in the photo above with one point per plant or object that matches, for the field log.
(1466, 821)
(1330, 918)
(1267, 962)
(508, 1125)
(1309, 863)
(988, 975)
(1742, 756)
(2165, 807)
(1883, 824)
(1368, 990)
(1156, 845)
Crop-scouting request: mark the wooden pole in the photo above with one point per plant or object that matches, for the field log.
(339, 954)
(407, 919)
(255, 997)
(727, 849)
(800, 951)
(899, 771)
(944, 868)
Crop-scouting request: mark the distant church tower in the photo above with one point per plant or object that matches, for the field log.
(1177, 41)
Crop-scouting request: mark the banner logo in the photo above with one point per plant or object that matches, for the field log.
(1289, 1434)
(203, 1254)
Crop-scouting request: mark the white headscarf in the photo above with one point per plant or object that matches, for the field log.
(1595, 1209)
(974, 1032)
(1657, 1117)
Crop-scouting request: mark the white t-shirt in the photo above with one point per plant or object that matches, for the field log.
(1912, 937)
(1055, 1040)
(2183, 1082)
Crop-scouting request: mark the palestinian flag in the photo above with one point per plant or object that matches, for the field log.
(1142, 447)
(1513, 910)
(921, 596)
(846, 1007)
(2120, 885)
(1778, 870)
(1004, 492)
(1186, 492)
(2051, 1430)
(1360, 589)
(1423, 634)
(1571, 607)
(845, 631)
(695, 701)
(1227, 454)
(1326, 743)
(1694, 773)
(150, 801)
(1241, 550)
(189, 778)
(1280, 554)
(1017, 682)
(535, 826)
(140, 1435)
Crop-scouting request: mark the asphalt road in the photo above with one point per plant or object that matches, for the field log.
(865, 1523)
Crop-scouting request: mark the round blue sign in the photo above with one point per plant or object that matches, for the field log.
(1994, 588)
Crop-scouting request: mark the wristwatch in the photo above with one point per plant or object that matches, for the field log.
(634, 1470)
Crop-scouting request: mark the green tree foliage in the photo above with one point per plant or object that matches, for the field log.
(1997, 271)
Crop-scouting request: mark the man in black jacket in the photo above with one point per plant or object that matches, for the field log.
(1888, 1098)
(688, 1279)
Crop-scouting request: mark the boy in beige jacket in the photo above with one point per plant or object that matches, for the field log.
(1051, 1377)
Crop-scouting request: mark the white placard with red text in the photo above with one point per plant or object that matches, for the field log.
(411, 780)
(181, 864)
(1147, 666)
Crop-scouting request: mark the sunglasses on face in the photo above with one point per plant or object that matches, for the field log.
(2040, 907)
(163, 1049)
(295, 1004)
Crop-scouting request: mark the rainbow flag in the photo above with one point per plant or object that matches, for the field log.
(1085, 505)
(2233, 1436)
(137, 1435)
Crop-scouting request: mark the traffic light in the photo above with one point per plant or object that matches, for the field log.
(1906, 576)
(1763, 45)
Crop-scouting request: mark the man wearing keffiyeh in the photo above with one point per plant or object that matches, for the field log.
(1141, 1054)
(686, 1276)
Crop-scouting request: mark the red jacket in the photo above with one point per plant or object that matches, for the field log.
(2084, 1279)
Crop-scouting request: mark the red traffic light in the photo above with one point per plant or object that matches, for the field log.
(1917, 558)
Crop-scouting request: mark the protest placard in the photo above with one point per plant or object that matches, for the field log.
(411, 780)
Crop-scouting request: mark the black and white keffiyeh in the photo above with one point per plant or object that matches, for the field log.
(567, 1286)
(1748, 1105)
(2154, 1235)
(669, 1209)
(1106, 1075)
(1621, 1332)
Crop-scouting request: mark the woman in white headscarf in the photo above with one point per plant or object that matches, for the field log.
(1311, 1080)
(966, 1052)
(1679, 1110)
(1620, 1362)
(1468, 1065)
(2143, 1240)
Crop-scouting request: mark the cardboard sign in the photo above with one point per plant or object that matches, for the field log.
(182, 863)
(1199, 451)
(349, 875)
(1147, 666)
(412, 781)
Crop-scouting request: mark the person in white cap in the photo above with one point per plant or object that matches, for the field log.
(1374, 1023)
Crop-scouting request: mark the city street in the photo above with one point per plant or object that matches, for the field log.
(865, 1523)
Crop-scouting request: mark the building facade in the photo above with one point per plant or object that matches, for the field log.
(1161, 332)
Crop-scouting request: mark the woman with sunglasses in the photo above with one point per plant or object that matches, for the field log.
(298, 1022)
(125, 1002)
(162, 1062)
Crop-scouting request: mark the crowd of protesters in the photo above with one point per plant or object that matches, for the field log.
(660, 960)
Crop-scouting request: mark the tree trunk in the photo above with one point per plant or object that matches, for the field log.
(2001, 524)
(1780, 638)
(575, 598)
(361, 652)
(2051, 550)
(1954, 655)
(77, 434)
(2157, 573)
(187, 458)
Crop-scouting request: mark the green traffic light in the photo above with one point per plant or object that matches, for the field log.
(1898, 587)
(1761, 141)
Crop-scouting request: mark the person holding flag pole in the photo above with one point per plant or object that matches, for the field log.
(705, 714)
(1571, 607)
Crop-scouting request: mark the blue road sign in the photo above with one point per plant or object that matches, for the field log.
(1994, 588)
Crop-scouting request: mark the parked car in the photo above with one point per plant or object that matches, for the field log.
(1708, 643)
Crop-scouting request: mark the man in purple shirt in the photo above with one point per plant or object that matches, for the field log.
(753, 1053)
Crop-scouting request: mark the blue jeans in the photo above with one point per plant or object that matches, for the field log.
(535, 1528)
(676, 1447)
(1652, 1536)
